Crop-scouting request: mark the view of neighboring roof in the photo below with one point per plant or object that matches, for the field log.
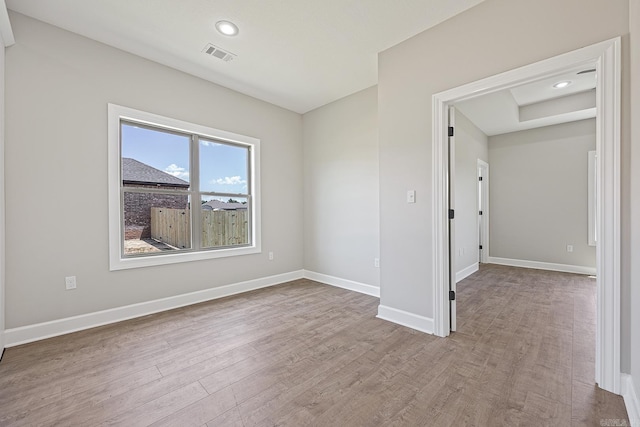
(135, 172)
(219, 205)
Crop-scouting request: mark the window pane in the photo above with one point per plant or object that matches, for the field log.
(225, 221)
(156, 222)
(223, 168)
(154, 158)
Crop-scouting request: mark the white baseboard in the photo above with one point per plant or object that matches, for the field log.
(404, 318)
(466, 272)
(630, 399)
(39, 331)
(543, 265)
(363, 288)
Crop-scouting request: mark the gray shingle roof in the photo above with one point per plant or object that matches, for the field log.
(135, 172)
(218, 205)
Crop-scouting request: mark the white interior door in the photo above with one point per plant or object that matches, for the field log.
(452, 239)
(483, 211)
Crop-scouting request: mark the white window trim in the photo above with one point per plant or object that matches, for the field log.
(116, 113)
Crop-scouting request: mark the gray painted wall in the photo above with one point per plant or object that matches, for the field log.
(538, 194)
(341, 219)
(493, 37)
(58, 87)
(471, 145)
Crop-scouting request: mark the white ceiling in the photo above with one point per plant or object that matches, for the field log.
(298, 54)
(535, 104)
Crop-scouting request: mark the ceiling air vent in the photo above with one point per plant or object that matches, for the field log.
(219, 53)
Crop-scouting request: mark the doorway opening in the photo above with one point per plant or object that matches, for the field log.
(606, 57)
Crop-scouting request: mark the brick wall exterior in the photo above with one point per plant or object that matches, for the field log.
(137, 211)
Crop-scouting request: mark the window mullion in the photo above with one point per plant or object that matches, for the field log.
(122, 224)
(196, 217)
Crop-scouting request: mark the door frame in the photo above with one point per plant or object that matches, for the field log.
(606, 56)
(484, 257)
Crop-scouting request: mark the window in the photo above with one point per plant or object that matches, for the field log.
(179, 191)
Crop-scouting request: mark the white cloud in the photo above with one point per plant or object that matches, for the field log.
(229, 180)
(177, 171)
(207, 143)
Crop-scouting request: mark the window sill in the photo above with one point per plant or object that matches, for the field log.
(119, 263)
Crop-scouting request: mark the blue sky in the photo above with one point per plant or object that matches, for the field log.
(223, 168)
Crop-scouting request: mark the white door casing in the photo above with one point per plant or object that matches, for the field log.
(606, 57)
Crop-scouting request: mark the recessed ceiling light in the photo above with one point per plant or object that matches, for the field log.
(562, 84)
(227, 28)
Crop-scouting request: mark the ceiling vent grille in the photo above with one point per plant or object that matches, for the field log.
(219, 53)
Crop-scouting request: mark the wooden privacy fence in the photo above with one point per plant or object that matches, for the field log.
(171, 226)
(225, 228)
(219, 228)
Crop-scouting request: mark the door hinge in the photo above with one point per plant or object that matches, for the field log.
(450, 130)
(451, 213)
(452, 295)
(479, 178)
(480, 247)
(480, 213)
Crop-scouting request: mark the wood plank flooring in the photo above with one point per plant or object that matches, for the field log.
(304, 353)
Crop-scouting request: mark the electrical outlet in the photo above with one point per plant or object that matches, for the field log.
(569, 248)
(270, 256)
(70, 282)
(376, 262)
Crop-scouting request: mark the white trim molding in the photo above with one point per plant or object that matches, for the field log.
(440, 225)
(565, 268)
(362, 288)
(606, 58)
(404, 318)
(630, 399)
(40, 331)
(608, 245)
(466, 272)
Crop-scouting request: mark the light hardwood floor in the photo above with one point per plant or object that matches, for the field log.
(303, 353)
